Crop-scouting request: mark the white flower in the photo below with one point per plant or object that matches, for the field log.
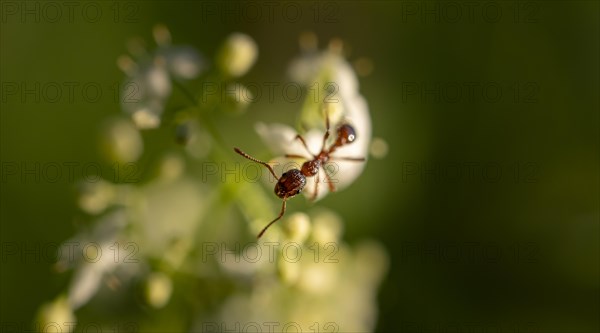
(144, 92)
(343, 104)
(342, 173)
(183, 62)
(97, 257)
(281, 140)
(329, 70)
(168, 211)
(148, 84)
(307, 68)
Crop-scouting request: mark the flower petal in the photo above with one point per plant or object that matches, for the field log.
(279, 138)
(183, 62)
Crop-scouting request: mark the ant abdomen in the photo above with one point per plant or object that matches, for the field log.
(290, 184)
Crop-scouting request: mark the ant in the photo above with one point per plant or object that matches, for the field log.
(293, 181)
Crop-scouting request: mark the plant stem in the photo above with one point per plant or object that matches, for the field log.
(205, 120)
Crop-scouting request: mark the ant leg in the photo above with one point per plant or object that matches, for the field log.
(328, 179)
(350, 159)
(296, 156)
(316, 192)
(237, 150)
(275, 220)
(326, 135)
(299, 137)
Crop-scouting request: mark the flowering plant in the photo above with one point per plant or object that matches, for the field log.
(175, 241)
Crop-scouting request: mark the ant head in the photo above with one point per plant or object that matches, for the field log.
(345, 134)
(290, 183)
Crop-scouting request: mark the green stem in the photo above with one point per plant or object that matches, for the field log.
(205, 120)
(251, 199)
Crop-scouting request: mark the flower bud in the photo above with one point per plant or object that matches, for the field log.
(158, 289)
(57, 312)
(122, 141)
(237, 55)
(145, 119)
(297, 227)
(378, 148)
(171, 167)
(95, 197)
(161, 34)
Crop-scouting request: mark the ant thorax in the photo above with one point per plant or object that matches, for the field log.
(311, 168)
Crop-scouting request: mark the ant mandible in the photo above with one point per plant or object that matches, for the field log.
(293, 181)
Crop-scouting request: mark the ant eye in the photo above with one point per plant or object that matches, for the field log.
(347, 133)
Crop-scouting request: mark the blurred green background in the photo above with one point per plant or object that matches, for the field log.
(487, 204)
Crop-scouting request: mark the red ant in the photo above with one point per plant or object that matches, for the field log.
(293, 181)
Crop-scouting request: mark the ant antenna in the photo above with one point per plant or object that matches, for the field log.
(237, 150)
